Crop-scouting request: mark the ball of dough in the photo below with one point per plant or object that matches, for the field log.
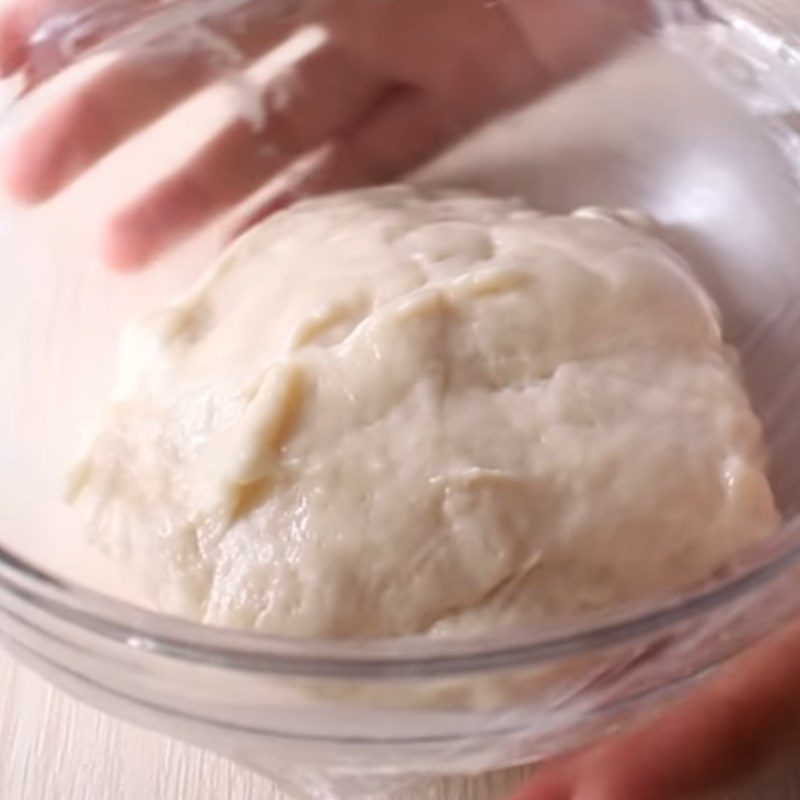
(397, 411)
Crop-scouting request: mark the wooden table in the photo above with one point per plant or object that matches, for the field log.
(54, 748)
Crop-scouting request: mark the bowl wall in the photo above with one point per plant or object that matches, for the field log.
(696, 126)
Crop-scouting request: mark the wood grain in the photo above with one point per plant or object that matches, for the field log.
(55, 748)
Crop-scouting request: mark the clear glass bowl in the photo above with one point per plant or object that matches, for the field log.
(695, 120)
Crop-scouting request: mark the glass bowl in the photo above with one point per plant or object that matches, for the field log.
(693, 119)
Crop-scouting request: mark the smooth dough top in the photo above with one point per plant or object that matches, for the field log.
(396, 411)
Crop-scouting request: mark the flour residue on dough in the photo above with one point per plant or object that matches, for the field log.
(396, 411)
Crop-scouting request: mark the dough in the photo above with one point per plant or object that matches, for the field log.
(397, 411)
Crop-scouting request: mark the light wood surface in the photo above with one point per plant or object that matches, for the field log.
(54, 748)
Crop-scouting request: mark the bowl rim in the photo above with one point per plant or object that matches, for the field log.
(407, 658)
(410, 657)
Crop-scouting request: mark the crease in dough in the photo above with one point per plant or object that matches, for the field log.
(397, 411)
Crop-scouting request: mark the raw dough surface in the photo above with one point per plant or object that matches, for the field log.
(391, 411)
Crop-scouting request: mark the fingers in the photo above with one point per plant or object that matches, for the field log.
(399, 135)
(328, 90)
(42, 34)
(746, 715)
(566, 36)
(69, 137)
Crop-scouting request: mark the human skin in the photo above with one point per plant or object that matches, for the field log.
(386, 93)
(739, 721)
(392, 86)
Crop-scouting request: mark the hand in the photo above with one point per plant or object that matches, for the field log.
(394, 82)
(740, 720)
